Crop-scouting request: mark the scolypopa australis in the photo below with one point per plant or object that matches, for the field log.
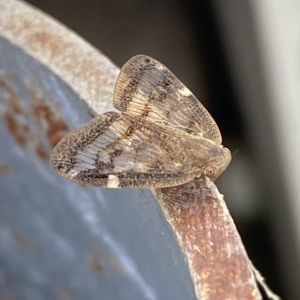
(162, 137)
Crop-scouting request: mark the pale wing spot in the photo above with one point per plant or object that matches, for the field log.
(113, 181)
(123, 163)
(185, 91)
(160, 66)
(129, 166)
(103, 159)
(72, 173)
(140, 167)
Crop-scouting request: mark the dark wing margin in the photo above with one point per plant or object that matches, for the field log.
(114, 151)
(145, 88)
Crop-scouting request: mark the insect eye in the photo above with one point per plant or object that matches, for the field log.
(210, 172)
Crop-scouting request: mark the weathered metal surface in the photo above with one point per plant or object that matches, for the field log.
(91, 75)
(219, 265)
(60, 240)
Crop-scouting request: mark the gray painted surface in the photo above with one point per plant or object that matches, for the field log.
(59, 240)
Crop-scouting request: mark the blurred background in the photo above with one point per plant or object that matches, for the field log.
(241, 59)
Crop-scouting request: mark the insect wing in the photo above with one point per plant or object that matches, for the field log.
(148, 89)
(114, 151)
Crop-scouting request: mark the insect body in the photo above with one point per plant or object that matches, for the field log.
(163, 136)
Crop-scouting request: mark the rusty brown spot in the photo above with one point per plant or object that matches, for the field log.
(48, 41)
(95, 261)
(22, 242)
(26, 25)
(4, 168)
(54, 126)
(13, 100)
(43, 38)
(57, 131)
(16, 128)
(46, 117)
(96, 264)
(41, 151)
(12, 115)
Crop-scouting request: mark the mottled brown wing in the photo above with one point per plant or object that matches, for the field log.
(146, 88)
(115, 151)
